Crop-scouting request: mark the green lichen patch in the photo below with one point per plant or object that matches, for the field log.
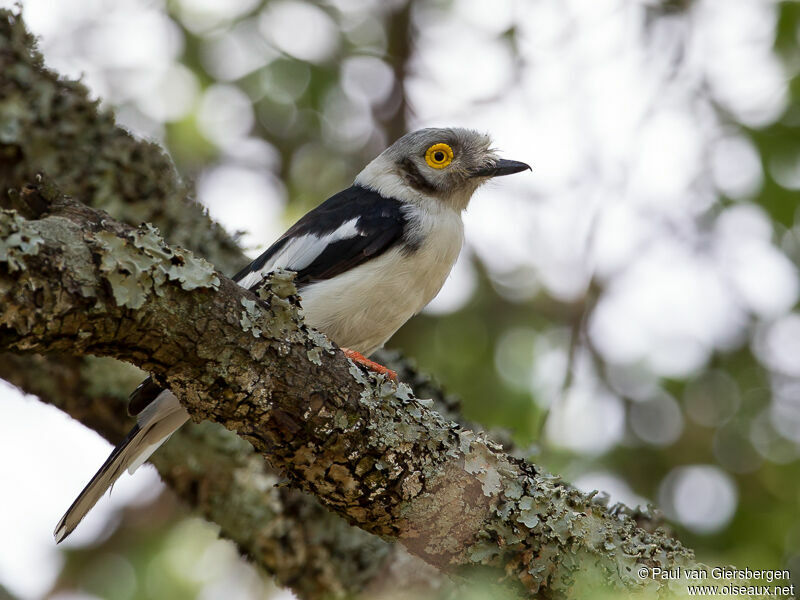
(137, 265)
(284, 317)
(547, 534)
(281, 283)
(320, 340)
(148, 239)
(17, 239)
(483, 463)
(250, 317)
(314, 355)
(528, 512)
(187, 269)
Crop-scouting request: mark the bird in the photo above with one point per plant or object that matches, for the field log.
(366, 260)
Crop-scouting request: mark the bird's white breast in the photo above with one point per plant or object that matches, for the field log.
(361, 308)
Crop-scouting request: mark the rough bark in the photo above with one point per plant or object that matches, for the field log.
(279, 529)
(74, 280)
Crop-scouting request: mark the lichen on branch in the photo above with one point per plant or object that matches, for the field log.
(368, 449)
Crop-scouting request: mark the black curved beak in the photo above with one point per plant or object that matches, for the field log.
(501, 167)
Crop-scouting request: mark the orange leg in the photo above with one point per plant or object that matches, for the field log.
(370, 364)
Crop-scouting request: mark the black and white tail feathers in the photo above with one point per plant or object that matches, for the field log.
(155, 423)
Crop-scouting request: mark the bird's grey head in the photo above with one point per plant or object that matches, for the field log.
(444, 163)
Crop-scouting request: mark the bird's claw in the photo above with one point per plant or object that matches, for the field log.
(359, 358)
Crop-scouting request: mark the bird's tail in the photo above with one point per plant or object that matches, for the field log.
(155, 424)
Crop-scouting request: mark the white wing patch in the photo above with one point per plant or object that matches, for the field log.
(251, 279)
(301, 251)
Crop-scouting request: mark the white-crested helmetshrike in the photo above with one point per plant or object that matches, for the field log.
(367, 259)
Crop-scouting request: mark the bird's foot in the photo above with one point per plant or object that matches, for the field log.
(370, 364)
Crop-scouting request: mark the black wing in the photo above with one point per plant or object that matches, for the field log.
(143, 395)
(343, 232)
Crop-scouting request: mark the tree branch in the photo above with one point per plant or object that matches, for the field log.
(50, 124)
(74, 280)
(280, 529)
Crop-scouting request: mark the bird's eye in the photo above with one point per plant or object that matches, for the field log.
(439, 156)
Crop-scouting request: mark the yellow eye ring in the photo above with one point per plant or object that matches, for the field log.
(439, 156)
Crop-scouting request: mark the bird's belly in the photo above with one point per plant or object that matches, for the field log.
(362, 308)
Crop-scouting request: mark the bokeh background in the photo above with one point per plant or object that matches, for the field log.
(628, 310)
